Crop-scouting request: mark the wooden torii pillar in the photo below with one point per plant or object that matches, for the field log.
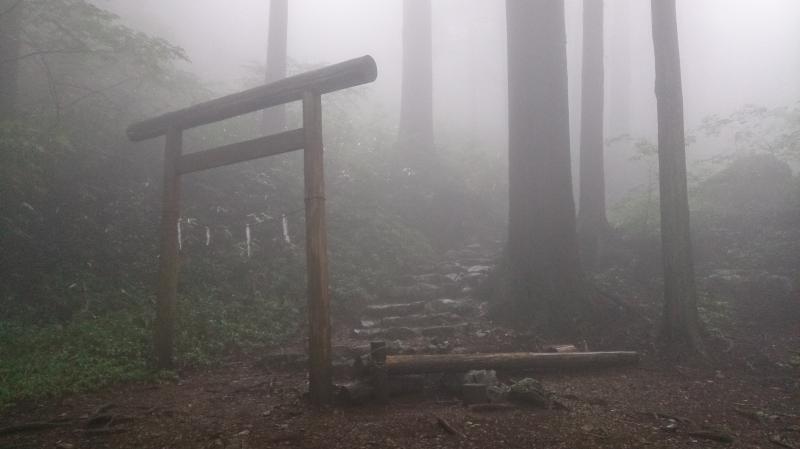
(308, 88)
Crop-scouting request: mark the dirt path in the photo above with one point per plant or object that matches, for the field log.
(242, 406)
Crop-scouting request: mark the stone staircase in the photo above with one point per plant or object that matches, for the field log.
(424, 312)
(436, 311)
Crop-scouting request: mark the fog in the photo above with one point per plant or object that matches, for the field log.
(508, 196)
(734, 53)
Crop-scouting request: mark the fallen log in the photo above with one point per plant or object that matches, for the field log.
(523, 361)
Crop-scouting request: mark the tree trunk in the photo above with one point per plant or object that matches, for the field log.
(274, 119)
(542, 272)
(10, 31)
(619, 37)
(415, 137)
(681, 323)
(592, 221)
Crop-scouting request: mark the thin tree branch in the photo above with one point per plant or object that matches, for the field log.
(66, 31)
(63, 51)
(11, 8)
(51, 84)
(97, 92)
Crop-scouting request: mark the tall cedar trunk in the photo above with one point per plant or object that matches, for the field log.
(10, 30)
(592, 220)
(620, 69)
(681, 324)
(542, 271)
(415, 137)
(274, 119)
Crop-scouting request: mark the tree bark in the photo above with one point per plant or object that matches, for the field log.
(274, 119)
(416, 137)
(10, 33)
(542, 272)
(592, 221)
(618, 46)
(681, 323)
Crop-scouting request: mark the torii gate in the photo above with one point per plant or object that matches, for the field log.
(308, 88)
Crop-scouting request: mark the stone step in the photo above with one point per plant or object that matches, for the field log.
(403, 333)
(388, 310)
(463, 307)
(420, 291)
(416, 320)
(422, 320)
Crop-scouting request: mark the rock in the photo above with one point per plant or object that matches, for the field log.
(355, 393)
(369, 323)
(400, 347)
(530, 392)
(475, 280)
(446, 305)
(391, 333)
(387, 310)
(479, 269)
(498, 393)
(444, 331)
(453, 277)
(421, 320)
(485, 377)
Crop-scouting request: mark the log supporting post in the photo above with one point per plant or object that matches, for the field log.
(320, 372)
(166, 300)
(378, 353)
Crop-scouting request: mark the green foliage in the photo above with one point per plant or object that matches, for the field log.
(92, 352)
(210, 328)
(758, 185)
(759, 130)
(87, 353)
(715, 312)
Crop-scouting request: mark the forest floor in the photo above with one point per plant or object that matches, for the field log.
(743, 403)
(746, 394)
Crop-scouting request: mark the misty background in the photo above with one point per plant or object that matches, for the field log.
(734, 53)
